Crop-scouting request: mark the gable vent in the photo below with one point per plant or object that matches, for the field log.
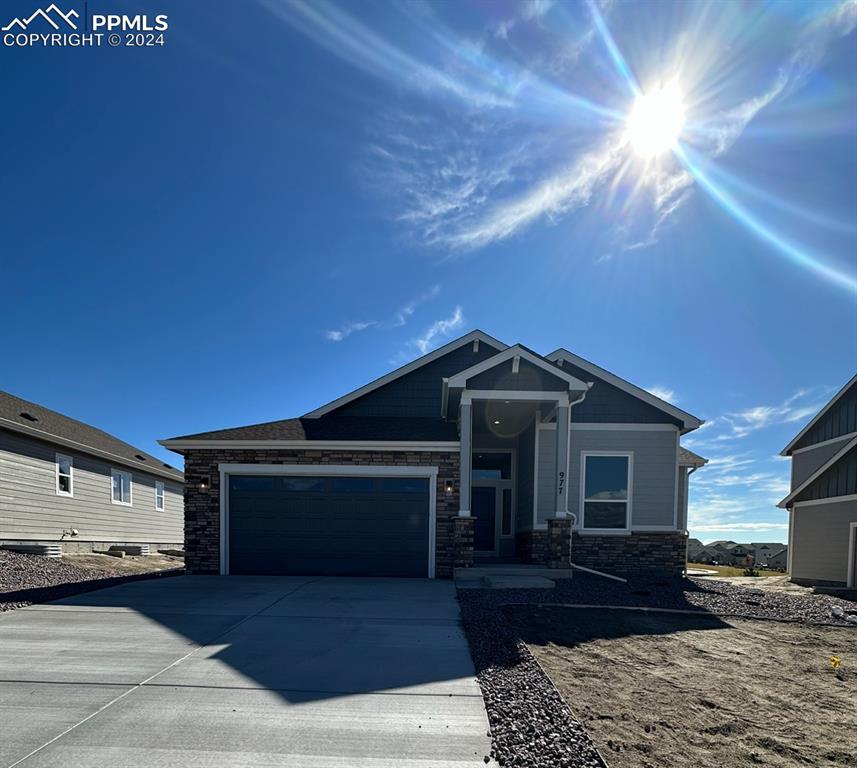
(28, 416)
(138, 456)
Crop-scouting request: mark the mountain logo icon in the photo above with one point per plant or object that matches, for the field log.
(51, 14)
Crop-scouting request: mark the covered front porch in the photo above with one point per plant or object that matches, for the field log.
(513, 417)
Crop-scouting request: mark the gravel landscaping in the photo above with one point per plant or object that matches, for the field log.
(27, 579)
(531, 723)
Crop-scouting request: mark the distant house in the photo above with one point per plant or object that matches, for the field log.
(822, 503)
(779, 560)
(65, 481)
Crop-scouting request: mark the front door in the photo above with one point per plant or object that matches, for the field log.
(484, 510)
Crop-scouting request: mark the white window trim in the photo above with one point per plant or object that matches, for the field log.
(130, 476)
(163, 488)
(57, 457)
(628, 502)
(321, 470)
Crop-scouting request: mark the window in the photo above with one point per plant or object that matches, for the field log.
(64, 472)
(606, 491)
(492, 466)
(404, 485)
(304, 484)
(120, 487)
(159, 496)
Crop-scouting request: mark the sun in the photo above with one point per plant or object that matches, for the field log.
(655, 121)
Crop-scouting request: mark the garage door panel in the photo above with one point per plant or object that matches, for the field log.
(329, 525)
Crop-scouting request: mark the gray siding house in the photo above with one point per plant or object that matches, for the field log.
(65, 481)
(478, 452)
(822, 503)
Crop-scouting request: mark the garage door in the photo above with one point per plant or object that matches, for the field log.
(332, 526)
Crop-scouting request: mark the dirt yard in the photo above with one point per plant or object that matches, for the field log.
(121, 566)
(662, 689)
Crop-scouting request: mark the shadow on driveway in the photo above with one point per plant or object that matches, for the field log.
(242, 670)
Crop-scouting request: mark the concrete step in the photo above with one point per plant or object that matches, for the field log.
(478, 572)
(518, 582)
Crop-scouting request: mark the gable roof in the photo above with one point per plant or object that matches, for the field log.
(790, 447)
(787, 501)
(42, 423)
(469, 338)
(304, 431)
(688, 458)
(517, 350)
(688, 420)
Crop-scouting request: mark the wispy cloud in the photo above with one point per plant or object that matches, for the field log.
(743, 526)
(400, 318)
(346, 330)
(808, 54)
(749, 420)
(406, 312)
(663, 393)
(438, 330)
(549, 200)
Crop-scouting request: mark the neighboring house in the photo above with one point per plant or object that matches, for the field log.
(477, 451)
(779, 560)
(58, 476)
(694, 548)
(823, 500)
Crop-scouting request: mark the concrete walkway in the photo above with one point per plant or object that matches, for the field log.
(242, 671)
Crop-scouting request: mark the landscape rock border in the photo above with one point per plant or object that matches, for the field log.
(28, 579)
(531, 724)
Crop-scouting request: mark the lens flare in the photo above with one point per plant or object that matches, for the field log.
(655, 121)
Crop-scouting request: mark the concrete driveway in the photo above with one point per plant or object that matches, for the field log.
(242, 671)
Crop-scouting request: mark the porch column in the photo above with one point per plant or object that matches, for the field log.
(466, 428)
(561, 488)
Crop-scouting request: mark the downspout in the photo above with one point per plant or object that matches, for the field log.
(573, 565)
(571, 405)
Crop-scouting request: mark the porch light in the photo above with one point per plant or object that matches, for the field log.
(448, 486)
(496, 421)
(204, 484)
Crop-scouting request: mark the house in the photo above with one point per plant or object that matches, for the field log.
(476, 452)
(777, 560)
(822, 503)
(697, 552)
(63, 481)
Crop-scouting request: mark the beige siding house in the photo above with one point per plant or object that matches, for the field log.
(822, 503)
(65, 481)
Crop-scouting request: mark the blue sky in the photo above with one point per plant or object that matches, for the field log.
(283, 203)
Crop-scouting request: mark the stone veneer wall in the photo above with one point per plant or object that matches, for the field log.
(454, 539)
(640, 554)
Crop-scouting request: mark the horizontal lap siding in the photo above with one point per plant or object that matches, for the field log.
(30, 508)
(654, 480)
(820, 541)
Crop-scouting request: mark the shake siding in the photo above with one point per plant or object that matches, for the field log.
(654, 477)
(807, 462)
(30, 508)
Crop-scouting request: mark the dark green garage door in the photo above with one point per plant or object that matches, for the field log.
(332, 526)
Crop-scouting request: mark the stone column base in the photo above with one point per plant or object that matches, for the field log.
(559, 538)
(462, 542)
